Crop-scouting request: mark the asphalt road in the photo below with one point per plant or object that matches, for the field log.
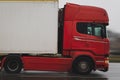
(112, 74)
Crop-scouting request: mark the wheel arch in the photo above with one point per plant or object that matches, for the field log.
(86, 55)
(75, 61)
(81, 56)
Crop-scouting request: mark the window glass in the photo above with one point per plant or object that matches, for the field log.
(91, 29)
(82, 28)
(97, 31)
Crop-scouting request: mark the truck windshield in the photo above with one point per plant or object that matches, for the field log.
(94, 29)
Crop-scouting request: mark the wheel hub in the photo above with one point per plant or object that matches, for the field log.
(13, 65)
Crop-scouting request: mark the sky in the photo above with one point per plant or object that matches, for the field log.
(111, 6)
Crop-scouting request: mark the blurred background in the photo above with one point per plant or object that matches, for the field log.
(114, 38)
(112, 7)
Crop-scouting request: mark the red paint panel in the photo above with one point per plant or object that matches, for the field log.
(67, 35)
(96, 45)
(47, 64)
(70, 12)
(107, 46)
(88, 13)
(85, 13)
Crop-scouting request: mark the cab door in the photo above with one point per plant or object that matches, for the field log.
(87, 37)
(79, 36)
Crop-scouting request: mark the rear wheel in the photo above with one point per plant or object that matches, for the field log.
(83, 65)
(13, 64)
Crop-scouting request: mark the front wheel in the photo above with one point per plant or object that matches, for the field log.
(13, 65)
(83, 65)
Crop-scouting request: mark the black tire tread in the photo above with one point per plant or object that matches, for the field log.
(17, 58)
(74, 67)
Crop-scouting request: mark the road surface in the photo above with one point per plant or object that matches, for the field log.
(112, 74)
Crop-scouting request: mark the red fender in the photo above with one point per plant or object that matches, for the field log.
(83, 53)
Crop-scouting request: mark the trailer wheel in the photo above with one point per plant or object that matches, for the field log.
(13, 64)
(83, 65)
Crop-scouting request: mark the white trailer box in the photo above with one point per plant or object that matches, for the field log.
(28, 26)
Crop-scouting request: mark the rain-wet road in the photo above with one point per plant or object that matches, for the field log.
(112, 74)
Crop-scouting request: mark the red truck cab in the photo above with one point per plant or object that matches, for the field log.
(82, 43)
(85, 34)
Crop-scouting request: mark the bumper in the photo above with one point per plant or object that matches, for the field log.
(102, 64)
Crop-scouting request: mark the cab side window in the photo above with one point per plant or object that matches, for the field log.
(97, 31)
(90, 29)
(84, 28)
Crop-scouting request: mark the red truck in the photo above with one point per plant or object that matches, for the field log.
(82, 44)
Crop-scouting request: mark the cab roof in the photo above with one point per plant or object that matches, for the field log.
(85, 13)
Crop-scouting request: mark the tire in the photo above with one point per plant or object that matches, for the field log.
(83, 65)
(13, 64)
